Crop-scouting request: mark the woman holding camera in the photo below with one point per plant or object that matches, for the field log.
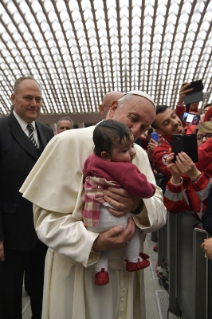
(190, 183)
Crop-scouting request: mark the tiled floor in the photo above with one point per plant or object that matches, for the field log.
(26, 309)
(151, 283)
(157, 298)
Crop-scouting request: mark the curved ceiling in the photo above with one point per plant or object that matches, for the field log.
(80, 50)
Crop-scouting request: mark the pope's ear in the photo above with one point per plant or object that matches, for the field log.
(101, 109)
(112, 109)
(105, 156)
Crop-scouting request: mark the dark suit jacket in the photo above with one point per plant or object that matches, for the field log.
(17, 157)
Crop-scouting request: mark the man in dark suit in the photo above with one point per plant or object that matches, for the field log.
(20, 148)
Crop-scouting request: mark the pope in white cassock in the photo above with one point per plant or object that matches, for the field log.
(55, 186)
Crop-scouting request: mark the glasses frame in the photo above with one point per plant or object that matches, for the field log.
(204, 136)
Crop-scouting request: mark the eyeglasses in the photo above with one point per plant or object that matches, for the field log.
(206, 136)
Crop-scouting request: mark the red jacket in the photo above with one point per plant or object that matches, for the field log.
(192, 196)
(161, 153)
(205, 157)
(188, 196)
(208, 115)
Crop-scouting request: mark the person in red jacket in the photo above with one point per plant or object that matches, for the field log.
(193, 107)
(167, 123)
(189, 186)
(180, 107)
(207, 113)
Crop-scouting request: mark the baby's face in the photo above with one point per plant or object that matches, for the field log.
(124, 152)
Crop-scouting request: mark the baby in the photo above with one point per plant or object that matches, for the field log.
(111, 165)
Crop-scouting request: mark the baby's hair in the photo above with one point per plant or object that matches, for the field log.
(106, 134)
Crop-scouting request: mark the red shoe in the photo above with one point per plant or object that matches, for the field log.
(155, 248)
(101, 278)
(144, 256)
(136, 266)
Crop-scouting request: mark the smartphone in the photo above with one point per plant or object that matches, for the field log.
(190, 118)
(155, 136)
(186, 143)
(196, 94)
(196, 86)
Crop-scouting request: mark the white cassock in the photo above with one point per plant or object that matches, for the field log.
(55, 186)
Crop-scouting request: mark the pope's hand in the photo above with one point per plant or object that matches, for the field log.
(115, 237)
(121, 200)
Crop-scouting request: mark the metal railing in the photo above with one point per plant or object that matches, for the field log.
(189, 270)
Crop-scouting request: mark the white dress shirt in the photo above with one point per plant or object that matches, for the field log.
(23, 125)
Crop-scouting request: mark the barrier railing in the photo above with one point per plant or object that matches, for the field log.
(189, 271)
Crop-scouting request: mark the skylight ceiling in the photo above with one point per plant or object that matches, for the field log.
(80, 50)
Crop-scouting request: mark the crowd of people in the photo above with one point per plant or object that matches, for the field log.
(93, 263)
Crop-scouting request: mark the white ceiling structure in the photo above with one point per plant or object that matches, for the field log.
(80, 50)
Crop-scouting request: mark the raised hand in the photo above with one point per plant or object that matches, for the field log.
(150, 148)
(183, 91)
(207, 247)
(173, 168)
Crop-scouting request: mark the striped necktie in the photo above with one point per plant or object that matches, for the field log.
(31, 135)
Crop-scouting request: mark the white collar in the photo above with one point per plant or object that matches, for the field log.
(22, 123)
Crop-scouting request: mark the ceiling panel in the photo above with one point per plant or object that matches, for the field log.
(80, 50)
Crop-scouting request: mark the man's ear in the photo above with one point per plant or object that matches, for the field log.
(112, 109)
(12, 98)
(105, 156)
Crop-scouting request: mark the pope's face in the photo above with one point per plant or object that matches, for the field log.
(27, 100)
(137, 113)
